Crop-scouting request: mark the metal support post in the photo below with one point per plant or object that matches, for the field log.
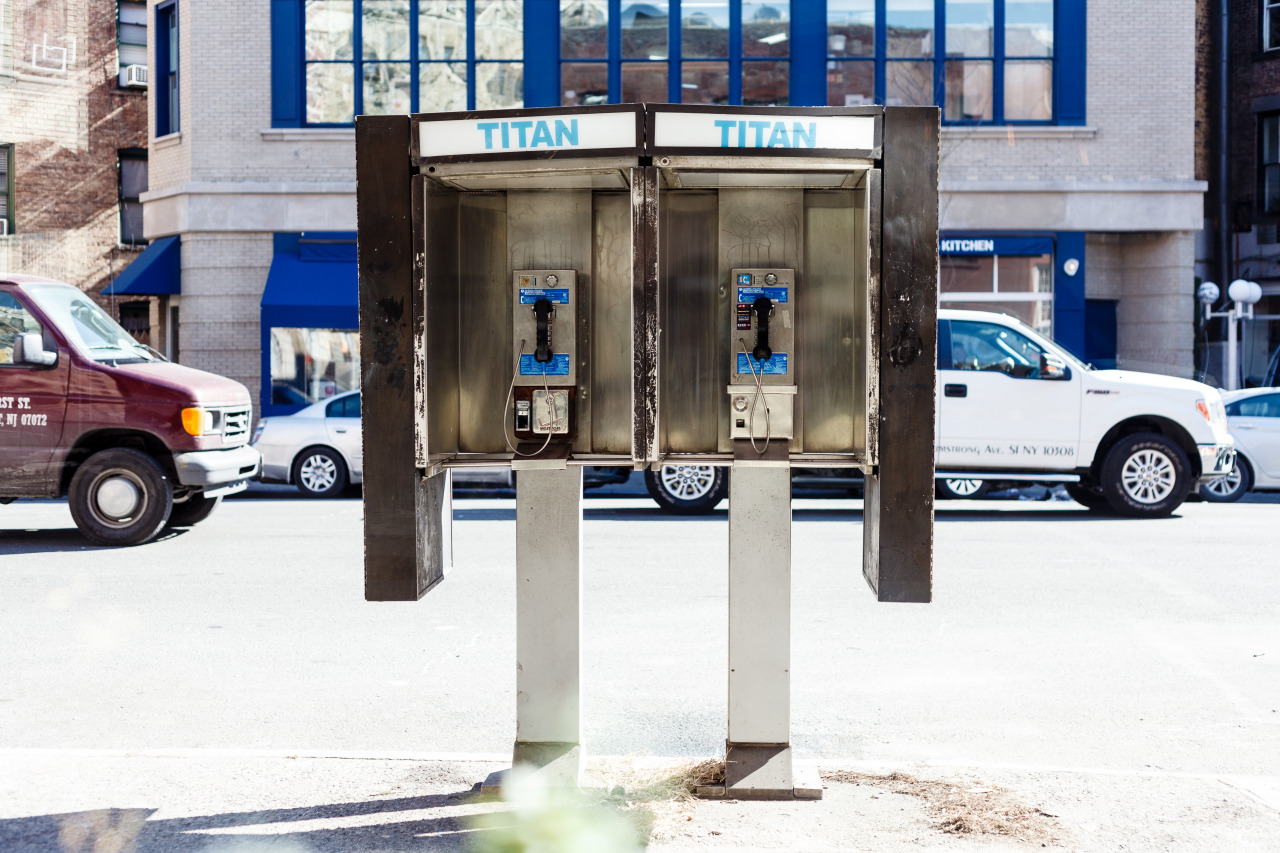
(758, 763)
(548, 622)
(1233, 347)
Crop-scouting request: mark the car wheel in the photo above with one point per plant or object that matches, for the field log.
(193, 510)
(319, 472)
(958, 489)
(687, 489)
(1145, 476)
(120, 497)
(1087, 496)
(1230, 488)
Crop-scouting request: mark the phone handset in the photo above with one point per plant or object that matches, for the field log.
(763, 307)
(542, 311)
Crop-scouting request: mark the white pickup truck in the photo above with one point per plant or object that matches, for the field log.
(1014, 407)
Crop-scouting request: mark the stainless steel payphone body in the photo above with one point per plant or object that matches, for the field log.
(643, 285)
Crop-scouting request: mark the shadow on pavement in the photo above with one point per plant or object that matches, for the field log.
(131, 829)
(62, 539)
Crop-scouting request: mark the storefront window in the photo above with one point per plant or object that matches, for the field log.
(308, 365)
(1018, 285)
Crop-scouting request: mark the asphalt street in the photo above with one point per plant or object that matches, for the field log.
(1059, 641)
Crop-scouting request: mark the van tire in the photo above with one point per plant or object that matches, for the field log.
(1145, 475)
(120, 497)
(193, 510)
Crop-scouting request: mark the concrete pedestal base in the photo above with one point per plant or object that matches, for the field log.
(558, 765)
(763, 772)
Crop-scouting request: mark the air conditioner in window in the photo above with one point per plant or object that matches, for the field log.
(134, 76)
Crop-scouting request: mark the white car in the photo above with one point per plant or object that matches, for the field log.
(1253, 416)
(317, 449)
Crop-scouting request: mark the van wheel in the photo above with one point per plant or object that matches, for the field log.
(193, 510)
(1230, 488)
(120, 497)
(319, 472)
(951, 489)
(1087, 496)
(687, 489)
(1145, 476)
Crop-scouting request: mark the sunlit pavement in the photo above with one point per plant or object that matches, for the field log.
(1140, 659)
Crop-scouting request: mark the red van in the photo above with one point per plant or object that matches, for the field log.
(135, 442)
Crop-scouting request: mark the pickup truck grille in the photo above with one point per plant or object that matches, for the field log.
(235, 425)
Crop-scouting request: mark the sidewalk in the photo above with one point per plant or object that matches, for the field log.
(73, 800)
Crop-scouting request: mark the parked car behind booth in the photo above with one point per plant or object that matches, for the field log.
(1253, 416)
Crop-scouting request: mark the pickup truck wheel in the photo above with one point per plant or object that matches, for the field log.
(319, 472)
(193, 510)
(1145, 476)
(950, 489)
(1087, 497)
(120, 497)
(687, 489)
(1230, 488)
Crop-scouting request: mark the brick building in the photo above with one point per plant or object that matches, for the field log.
(1069, 193)
(73, 137)
(1252, 185)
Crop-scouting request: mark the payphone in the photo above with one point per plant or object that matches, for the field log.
(544, 344)
(762, 385)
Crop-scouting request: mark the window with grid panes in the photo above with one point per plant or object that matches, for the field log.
(1269, 163)
(1270, 24)
(981, 61)
(380, 57)
(131, 34)
(6, 190)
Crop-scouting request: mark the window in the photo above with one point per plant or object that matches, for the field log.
(132, 184)
(313, 364)
(982, 61)
(987, 346)
(411, 56)
(1018, 285)
(1270, 24)
(14, 320)
(1269, 163)
(1262, 406)
(131, 34)
(168, 108)
(6, 190)
(683, 51)
(344, 407)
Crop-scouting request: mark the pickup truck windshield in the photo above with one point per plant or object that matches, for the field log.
(88, 326)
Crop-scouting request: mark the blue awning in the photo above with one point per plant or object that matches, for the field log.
(156, 272)
(314, 294)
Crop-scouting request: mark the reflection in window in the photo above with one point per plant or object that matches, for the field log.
(14, 321)
(1018, 285)
(400, 73)
(308, 365)
(991, 61)
(988, 346)
(133, 183)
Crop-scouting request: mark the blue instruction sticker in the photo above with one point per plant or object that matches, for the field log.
(744, 278)
(530, 295)
(774, 365)
(751, 294)
(558, 366)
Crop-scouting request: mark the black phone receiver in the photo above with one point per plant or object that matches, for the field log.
(763, 307)
(542, 311)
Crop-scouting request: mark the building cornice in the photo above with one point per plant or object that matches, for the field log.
(958, 133)
(308, 134)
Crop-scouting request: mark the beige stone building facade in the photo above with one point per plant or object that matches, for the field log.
(1080, 217)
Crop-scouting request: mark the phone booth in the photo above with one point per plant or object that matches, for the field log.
(640, 285)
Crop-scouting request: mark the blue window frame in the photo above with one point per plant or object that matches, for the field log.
(981, 61)
(168, 104)
(381, 57)
(679, 51)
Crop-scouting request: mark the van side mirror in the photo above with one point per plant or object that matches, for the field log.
(29, 349)
(1052, 367)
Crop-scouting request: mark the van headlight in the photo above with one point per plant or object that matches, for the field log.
(199, 421)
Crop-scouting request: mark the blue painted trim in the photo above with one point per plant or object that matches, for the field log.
(1068, 294)
(541, 66)
(675, 55)
(614, 50)
(808, 51)
(286, 63)
(735, 53)
(1070, 60)
(882, 42)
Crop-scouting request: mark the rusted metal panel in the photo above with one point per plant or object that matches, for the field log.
(898, 512)
(645, 314)
(393, 570)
